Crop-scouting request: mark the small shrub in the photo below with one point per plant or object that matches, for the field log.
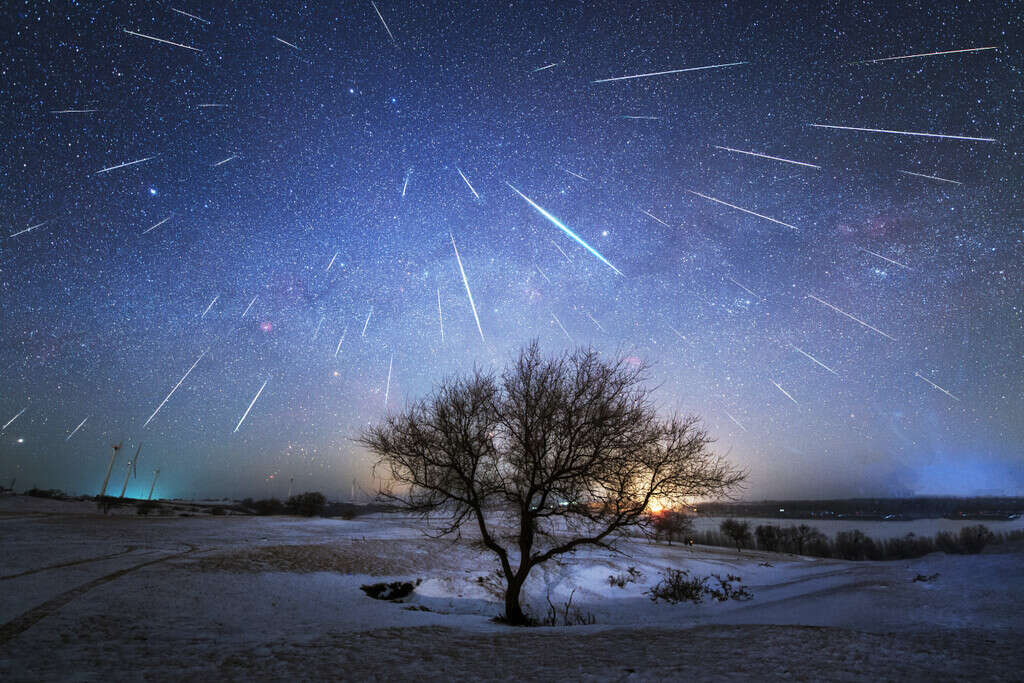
(267, 506)
(46, 493)
(726, 590)
(973, 539)
(947, 543)
(570, 615)
(396, 590)
(308, 504)
(767, 537)
(632, 575)
(854, 545)
(493, 583)
(677, 586)
(146, 506)
(105, 503)
(925, 578)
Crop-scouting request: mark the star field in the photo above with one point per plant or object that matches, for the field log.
(852, 324)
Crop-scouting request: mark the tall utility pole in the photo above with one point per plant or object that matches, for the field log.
(106, 479)
(290, 482)
(155, 475)
(131, 468)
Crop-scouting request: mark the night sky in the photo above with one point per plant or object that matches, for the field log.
(863, 335)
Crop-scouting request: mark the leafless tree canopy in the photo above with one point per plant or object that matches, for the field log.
(569, 448)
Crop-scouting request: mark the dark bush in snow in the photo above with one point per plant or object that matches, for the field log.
(768, 537)
(396, 590)
(854, 545)
(308, 504)
(973, 539)
(632, 575)
(677, 585)
(146, 506)
(267, 506)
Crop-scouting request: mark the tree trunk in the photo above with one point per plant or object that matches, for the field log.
(513, 612)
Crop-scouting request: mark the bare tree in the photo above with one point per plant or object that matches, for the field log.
(567, 451)
(671, 525)
(738, 531)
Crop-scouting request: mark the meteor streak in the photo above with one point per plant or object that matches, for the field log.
(542, 68)
(814, 359)
(783, 391)
(210, 306)
(595, 322)
(671, 71)
(157, 225)
(639, 118)
(73, 431)
(230, 158)
(73, 111)
(467, 182)
(440, 318)
(923, 54)
(577, 175)
(387, 388)
(903, 132)
(251, 404)
(748, 291)
(739, 208)
(564, 228)
(897, 263)
(340, 342)
(561, 251)
(932, 177)
(678, 333)
(187, 373)
(653, 217)
(405, 186)
(857, 320)
(13, 418)
(127, 163)
(468, 293)
(920, 376)
(247, 308)
(332, 261)
(28, 229)
(390, 34)
(542, 273)
(203, 106)
(367, 321)
(282, 40)
(161, 40)
(190, 16)
(735, 421)
(563, 328)
(317, 330)
(766, 156)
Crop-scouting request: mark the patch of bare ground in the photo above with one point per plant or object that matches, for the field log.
(739, 653)
(710, 653)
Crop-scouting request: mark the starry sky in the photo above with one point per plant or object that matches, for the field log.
(269, 204)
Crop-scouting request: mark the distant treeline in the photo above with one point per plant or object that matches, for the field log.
(871, 508)
(803, 539)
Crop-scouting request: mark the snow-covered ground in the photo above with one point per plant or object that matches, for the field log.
(89, 597)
